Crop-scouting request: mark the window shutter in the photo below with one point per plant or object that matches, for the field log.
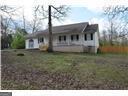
(77, 37)
(85, 37)
(64, 38)
(42, 39)
(59, 38)
(72, 37)
(91, 36)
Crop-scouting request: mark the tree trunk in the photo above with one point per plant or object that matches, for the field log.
(111, 33)
(50, 46)
(24, 20)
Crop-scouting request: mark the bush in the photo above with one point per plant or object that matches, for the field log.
(99, 51)
(20, 54)
(18, 41)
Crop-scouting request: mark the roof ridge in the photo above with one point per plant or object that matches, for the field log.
(71, 24)
(66, 25)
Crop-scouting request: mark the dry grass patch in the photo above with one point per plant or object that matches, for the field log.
(42, 70)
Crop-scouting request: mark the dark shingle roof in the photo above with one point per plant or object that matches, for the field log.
(78, 27)
(91, 28)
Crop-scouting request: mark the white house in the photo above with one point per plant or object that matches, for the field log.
(79, 37)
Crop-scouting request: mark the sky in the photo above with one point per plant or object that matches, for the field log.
(69, 93)
(84, 14)
(76, 14)
(81, 10)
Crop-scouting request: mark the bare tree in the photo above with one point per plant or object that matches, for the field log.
(37, 21)
(51, 13)
(24, 25)
(111, 18)
(103, 38)
(7, 13)
(57, 15)
(118, 21)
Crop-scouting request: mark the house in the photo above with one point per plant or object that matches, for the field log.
(79, 37)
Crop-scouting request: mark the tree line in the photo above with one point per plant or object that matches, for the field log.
(116, 32)
(13, 34)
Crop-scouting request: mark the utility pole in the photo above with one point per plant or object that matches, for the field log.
(50, 46)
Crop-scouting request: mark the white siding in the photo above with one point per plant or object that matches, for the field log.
(68, 39)
(96, 39)
(26, 44)
(36, 45)
(81, 41)
(45, 39)
(96, 42)
(88, 42)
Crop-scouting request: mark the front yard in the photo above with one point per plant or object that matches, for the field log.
(42, 70)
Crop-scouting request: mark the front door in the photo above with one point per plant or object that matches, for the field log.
(31, 43)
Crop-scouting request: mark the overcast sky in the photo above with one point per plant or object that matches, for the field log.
(81, 10)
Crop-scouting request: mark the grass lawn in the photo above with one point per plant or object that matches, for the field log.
(42, 70)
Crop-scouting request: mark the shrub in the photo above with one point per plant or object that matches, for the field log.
(18, 41)
(20, 54)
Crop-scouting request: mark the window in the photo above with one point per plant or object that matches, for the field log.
(40, 40)
(88, 37)
(74, 37)
(31, 43)
(77, 37)
(62, 38)
(85, 37)
(91, 36)
(59, 38)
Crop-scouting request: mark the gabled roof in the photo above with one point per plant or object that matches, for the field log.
(77, 27)
(91, 28)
